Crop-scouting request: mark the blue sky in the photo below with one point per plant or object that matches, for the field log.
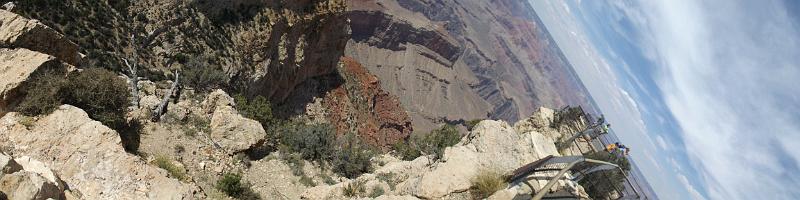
(706, 92)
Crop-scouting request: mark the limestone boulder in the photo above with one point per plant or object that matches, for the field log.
(231, 131)
(8, 165)
(19, 32)
(492, 146)
(216, 98)
(26, 178)
(17, 66)
(29, 185)
(89, 157)
(540, 119)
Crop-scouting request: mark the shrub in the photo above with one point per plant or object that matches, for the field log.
(203, 76)
(258, 109)
(471, 123)
(43, 93)
(389, 178)
(231, 184)
(354, 189)
(313, 142)
(100, 93)
(307, 181)
(295, 161)
(175, 171)
(327, 179)
(27, 121)
(352, 157)
(406, 151)
(376, 192)
(486, 183)
(195, 123)
(437, 140)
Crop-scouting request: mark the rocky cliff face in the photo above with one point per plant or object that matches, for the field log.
(455, 60)
(88, 157)
(492, 145)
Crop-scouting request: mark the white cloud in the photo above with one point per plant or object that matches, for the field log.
(728, 74)
(660, 141)
(689, 187)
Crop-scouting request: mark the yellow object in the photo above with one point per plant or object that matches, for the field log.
(611, 147)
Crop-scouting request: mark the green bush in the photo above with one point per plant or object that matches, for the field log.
(354, 189)
(175, 171)
(406, 151)
(203, 76)
(307, 181)
(352, 157)
(313, 142)
(437, 140)
(376, 192)
(232, 185)
(43, 93)
(471, 123)
(327, 179)
(100, 93)
(258, 109)
(27, 121)
(389, 178)
(432, 143)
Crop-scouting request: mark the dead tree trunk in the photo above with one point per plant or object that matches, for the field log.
(162, 107)
(133, 76)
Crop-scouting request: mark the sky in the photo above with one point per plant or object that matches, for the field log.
(707, 93)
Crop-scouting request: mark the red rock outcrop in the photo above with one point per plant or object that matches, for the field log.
(361, 106)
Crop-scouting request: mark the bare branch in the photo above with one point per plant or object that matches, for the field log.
(162, 108)
(155, 33)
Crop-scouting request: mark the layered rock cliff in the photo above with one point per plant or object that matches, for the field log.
(460, 60)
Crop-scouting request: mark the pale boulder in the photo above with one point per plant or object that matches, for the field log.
(19, 32)
(89, 157)
(233, 132)
(29, 185)
(17, 66)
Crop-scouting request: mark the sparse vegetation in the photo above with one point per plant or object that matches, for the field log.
(327, 179)
(313, 142)
(471, 123)
(232, 185)
(43, 93)
(352, 157)
(389, 178)
(354, 189)
(406, 150)
(194, 124)
(100, 93)
(376, 192)
(26, 121)
(175, 171)
(242, 159)
(203, 76)
(432, 143)
(307, 181)
(435, 142)
(258, 109)
(486, 183)
(295, 161)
